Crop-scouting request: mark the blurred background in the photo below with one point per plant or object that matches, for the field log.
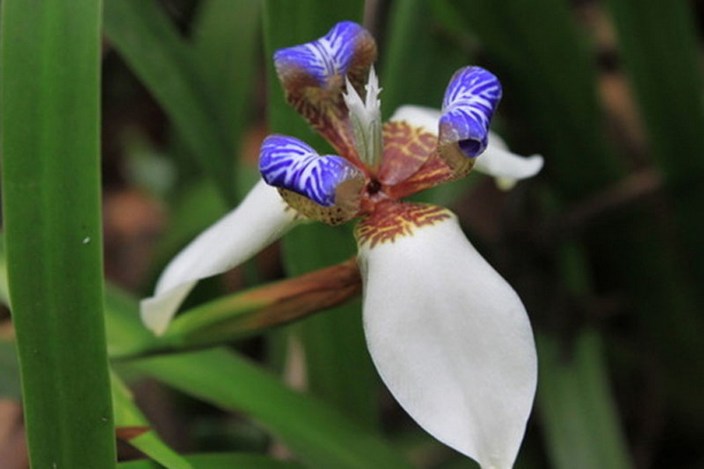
(604, 246)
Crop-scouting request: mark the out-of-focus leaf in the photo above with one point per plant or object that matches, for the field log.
(659, 46)
(50, 126)
(317, 433)
(226, 42)
(576, 404)
(167, 66)
(133, 427)
(333, 342)
(10, 386)
(417, 59)
(220, 461)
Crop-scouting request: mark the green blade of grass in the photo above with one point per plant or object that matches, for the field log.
(334, 340)
(317, 433)
(167, 66)
(220, 461)
(417, 61)
(225, 43)
(10, 387)
(577, 406)
(51, 204)
(128, 418)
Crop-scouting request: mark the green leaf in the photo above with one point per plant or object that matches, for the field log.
(220, 461)
(417, 60)
(128, 418)
(51, 207)
(317, 433)
(10, 371)
(575, 402)
(225, 40)
(167, 66)
(334, 341)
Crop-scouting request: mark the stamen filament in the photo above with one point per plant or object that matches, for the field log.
(365, 117)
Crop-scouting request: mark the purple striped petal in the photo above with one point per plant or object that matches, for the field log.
(469, 103)
(313, 77)
(324, 58)
(289, 163)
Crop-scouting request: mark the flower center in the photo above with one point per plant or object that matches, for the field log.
(373, 187)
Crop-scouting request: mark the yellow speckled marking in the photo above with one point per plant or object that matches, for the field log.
(406, 149)
(396, 219)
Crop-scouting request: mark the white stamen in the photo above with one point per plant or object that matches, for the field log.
(365, 117)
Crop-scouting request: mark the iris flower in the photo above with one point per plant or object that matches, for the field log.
(448, 335)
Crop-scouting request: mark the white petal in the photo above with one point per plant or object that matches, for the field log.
(496, 161)
(505, 166)
(419, 116)
(259, 220)
(451, 340)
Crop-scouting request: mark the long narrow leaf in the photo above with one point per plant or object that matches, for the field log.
(318, 434)
(51, 195)
(166, 64)
(220, 461)
(576, 404)
(225, 43)
(133, 427)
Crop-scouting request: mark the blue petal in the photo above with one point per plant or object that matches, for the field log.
(469, 103)
(326, 57)
(289, 163)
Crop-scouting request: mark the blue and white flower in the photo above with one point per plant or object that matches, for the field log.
(448, 335)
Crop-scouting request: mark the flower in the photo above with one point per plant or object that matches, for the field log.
(448, 335)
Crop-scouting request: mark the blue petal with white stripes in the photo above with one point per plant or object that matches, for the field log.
(326, 57)
(289, 163)
(469, 103)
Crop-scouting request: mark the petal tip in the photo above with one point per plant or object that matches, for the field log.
(326, 57)
(291, 164)
(468, 106)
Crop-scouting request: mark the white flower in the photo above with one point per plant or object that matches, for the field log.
(449, 336)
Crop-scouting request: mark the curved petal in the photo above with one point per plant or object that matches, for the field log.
(260, 219)
(467, 108)
(289, 163)
(313, 76)
(496, 161)
(427, 118)
(505, 166)
(450, 338)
